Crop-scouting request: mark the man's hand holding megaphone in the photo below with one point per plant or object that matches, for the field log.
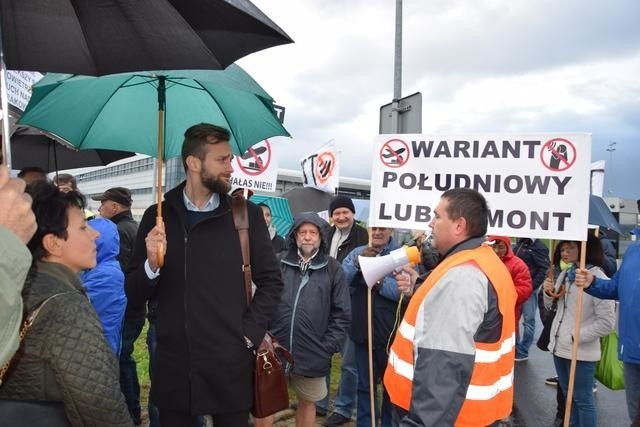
(406, 280)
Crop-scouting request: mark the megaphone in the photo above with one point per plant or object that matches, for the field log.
(375, 268)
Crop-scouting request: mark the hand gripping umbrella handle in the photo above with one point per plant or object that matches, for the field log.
(161, 249)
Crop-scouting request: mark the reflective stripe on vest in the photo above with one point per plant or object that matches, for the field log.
(490, 393)
(482, 356)
(476, 392)
(400, 366)
(490, 356)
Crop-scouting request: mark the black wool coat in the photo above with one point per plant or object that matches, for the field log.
(203, 365)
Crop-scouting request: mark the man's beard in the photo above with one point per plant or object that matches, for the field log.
(308, 250)
(214, 183)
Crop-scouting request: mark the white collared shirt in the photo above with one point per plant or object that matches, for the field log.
(211, 205)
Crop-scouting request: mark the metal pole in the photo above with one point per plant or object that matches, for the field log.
(4, 104)
(397, 71)
(6, 133)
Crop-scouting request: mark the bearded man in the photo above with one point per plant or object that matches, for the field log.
(206, 333)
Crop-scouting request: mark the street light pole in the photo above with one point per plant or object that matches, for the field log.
(611, 149)
(397, 71)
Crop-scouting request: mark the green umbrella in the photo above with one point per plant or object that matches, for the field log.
(148, 112)
(121, 110)
(281, 217)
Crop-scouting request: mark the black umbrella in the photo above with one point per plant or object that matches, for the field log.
(46, 153)
(115, 36)
(307, 199)
(600, 215)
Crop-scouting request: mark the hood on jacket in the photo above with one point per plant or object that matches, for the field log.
(312, 218)
(108, 244)
(507, 243)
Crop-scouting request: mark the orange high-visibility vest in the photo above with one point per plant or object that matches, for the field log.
(490, 393)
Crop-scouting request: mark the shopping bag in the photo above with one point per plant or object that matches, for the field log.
(609, 370)
(545, 335)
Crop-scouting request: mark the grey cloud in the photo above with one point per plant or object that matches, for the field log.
(547, 35)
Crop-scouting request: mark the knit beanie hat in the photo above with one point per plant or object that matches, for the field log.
(341, 202)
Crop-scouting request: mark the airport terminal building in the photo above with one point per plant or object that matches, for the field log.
(139, 175)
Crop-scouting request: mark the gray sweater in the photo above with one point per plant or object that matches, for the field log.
(597, 320)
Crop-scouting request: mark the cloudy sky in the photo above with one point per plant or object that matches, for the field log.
(481, 66)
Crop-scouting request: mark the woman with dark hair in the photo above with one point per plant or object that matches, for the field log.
(64, 357)
(277, 241)
(597, 320)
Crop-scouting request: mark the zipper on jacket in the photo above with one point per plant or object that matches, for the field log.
(303, 283)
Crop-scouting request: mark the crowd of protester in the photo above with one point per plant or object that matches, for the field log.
(445, 336)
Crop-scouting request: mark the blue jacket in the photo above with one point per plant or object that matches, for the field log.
(625, 287)
(384, 301)
(105, 282)
(314, 310)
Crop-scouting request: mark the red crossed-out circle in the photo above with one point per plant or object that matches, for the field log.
(324, 159)
(563, 164)
(394, 153)
(256, 159)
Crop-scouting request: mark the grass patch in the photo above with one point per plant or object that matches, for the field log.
(141, 356)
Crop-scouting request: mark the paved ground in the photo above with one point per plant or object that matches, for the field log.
(287, 419)
(536, 401)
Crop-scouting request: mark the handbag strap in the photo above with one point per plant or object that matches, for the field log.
(26, 325)
(241, 221)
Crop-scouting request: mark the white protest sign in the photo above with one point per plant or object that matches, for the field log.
(257, 168)
(19, 87)
(321, 168)
(536, 185)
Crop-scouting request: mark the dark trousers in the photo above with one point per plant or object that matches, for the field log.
(179, 419)
(128, 372)
(154, 414)
(363, 414)
(583, 408)
(560, 402)
(397, 414)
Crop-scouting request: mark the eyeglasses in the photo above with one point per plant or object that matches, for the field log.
(311, 233)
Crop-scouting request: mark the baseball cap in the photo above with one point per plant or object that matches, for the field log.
(116, 194)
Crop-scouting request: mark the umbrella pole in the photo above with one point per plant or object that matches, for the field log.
(55, 158)
(161, 113)
(576, 341)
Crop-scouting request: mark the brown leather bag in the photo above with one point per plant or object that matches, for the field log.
(270, 393)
